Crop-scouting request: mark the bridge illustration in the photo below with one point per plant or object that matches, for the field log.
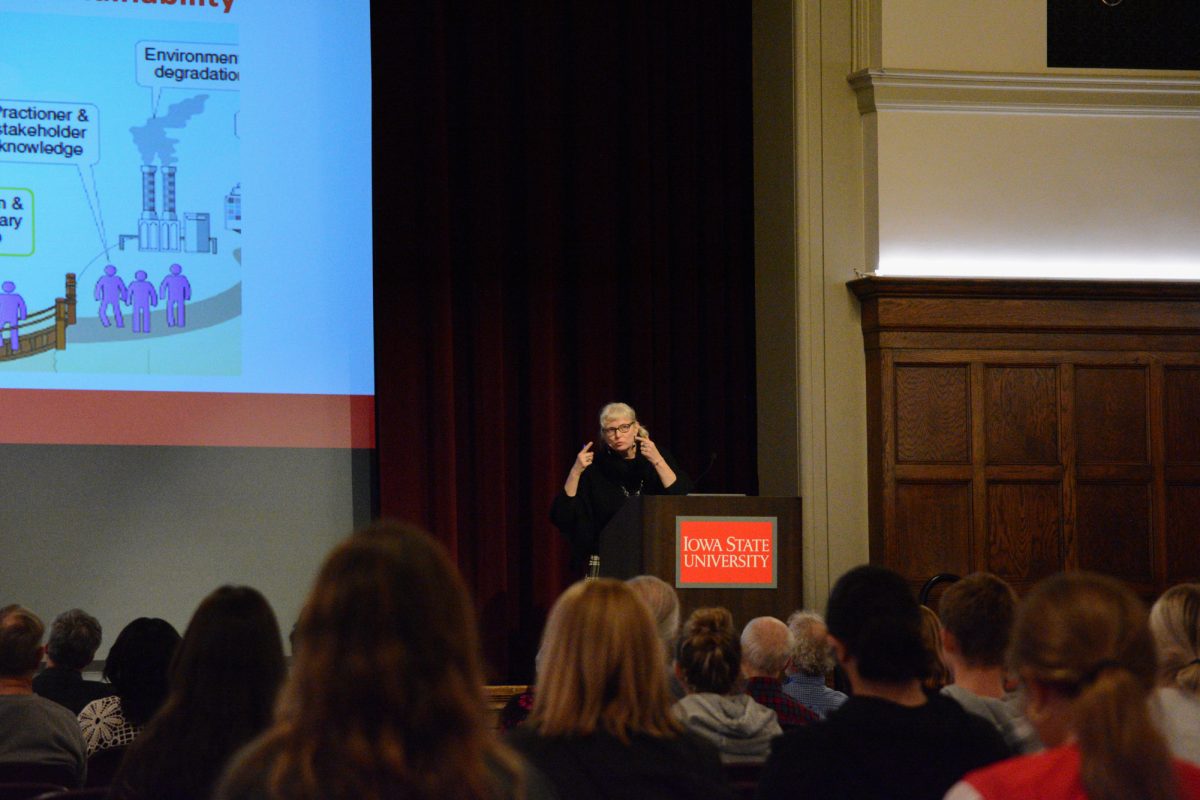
(45, 329)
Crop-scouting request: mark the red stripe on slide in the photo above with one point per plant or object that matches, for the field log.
(198, 419)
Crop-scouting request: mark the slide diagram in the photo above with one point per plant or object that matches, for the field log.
(120, 196)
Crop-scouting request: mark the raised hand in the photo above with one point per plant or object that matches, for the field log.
(650, 452)
(583, 459)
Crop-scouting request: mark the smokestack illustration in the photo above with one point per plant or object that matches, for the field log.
(148, 224)
(149, 211)
(168, 192)
(164, 232)
(169, 239)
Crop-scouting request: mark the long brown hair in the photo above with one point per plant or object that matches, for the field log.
(223, 682)
(601, 666)
(1086, 637)
(385, 698)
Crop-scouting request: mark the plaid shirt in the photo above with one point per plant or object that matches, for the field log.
(769, 692)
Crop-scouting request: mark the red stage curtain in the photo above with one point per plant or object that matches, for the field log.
(563, 218)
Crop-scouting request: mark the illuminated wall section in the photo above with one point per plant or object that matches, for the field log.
(981, 160)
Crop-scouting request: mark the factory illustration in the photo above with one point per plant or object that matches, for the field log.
(164, 233)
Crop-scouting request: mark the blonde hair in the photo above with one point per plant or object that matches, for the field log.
(1085, 636)
(601, 667)
(1175, 623)
(710, 651)
(936, 674)
(613, 411)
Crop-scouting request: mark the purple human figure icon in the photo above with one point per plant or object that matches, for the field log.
(111, 292)
(176, 291)
(12, 311)
(142, 297)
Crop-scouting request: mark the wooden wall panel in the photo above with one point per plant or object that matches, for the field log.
(1110, 415)
(1024, 525)
(932, 420)
(1030, 426)
(1181, 400)
(1021, 415)
(1183, 532)
(1114, 529)
(933, 525)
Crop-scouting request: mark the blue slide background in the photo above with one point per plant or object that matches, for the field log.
(289, 301)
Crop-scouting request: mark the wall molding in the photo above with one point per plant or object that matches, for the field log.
(1026, 93)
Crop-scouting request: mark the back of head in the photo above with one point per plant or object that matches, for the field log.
(74, 639)
(660, 597)
(811, 655)
(230, 661)
(385, 695)
(874, 615)
(1085, 637)
(138, 664)
(710, 652)
(223, 682)
(600, 667)
(978, 611)
(1175, 623)
(767, 646)
(20, 642)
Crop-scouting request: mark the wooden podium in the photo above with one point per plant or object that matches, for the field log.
(641, 540)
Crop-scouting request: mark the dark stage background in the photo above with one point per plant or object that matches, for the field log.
(563, 218)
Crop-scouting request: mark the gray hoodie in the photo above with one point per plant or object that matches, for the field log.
(740, 728)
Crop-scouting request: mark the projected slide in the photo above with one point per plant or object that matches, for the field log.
(130, 134)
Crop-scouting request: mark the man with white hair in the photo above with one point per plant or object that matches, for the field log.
(811, 664)
(766, 651)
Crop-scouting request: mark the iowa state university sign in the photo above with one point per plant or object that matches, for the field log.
(726, 552)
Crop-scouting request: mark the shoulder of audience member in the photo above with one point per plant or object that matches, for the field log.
(976, 732)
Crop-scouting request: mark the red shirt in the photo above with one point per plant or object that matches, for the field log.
(1054, 775)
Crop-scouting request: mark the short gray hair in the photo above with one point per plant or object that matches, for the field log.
(74, 639)
(660, 597)
(767, 645)
(812, 655)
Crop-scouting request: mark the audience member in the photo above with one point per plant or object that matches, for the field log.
(811, 665)
(1175, 623)
(660, 597)
(890, 739)
(662, 601)
(223, 683)
(709, 665)
(936, 675)
(136, 667)
(767, 647)
(385, 697)
(74, 639)
(1083, 650)
(977, 617)
(33, 730)
(602, 725)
